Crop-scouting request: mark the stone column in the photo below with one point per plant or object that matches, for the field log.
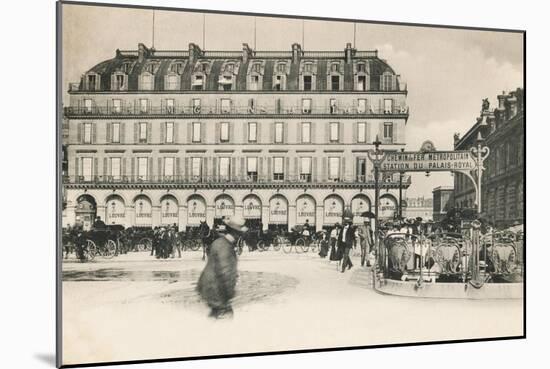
(319, 219)
(291, 216)
(182, 217)
(265, 217)
(155, 216)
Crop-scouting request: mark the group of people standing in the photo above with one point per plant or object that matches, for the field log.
(165, 242)
(343, 238)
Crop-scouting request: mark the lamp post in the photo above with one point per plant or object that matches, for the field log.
(377, 156)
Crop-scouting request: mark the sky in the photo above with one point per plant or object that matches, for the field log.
(448, 71)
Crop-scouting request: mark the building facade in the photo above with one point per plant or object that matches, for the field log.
(443, 201)
(418, 207)
(502, 183)
(161, 137)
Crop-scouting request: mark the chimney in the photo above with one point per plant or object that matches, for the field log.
(513, 104)
(501, 99)
(296, 53)
(194, 53)
(142, 52)
(349, 52)
(247, 52)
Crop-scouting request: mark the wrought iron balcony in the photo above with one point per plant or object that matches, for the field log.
(238, 181)
(234, 110)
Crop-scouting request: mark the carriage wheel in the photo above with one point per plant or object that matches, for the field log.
(91, 250)
(194, 245)
(109, 249)
(301, 243)
(287, 247)
(277, 241)
(315, 245)
(262, 246)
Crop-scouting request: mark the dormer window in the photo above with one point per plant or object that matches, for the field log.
(281, 68)
(119, 82)
(307, 83)
(257, 67)
(308, 68)
(335, 83)
(92, 82)
(388, 82)
(176, 68)
(334, 68)
(198, 83)
(361, 67)
(204, 67)
(226, 83)
(147, 81)
(126, 67)
(229, 68)
(307, 78)
(171, 82)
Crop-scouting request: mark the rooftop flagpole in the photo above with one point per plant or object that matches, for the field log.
(354, 32)
(303, 37)
(254, 33)
(153, 41)
(203, 30)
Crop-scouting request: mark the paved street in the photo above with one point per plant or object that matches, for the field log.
(137, 307)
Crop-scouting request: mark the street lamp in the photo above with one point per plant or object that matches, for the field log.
(377, 156)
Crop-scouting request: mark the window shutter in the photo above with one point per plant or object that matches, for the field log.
(368, 137)
(381, 131)
(105, 172)
(136, 132)
(286, 169)
(108, 132)
(160, 168)
(245, 131)
(96, 172)
(178, 166)
(296, 169)
(272, 133)
(341, 132)
(76, 168)
(122, 132)
(231, 131)
(285, 132)
(203, 132)
(355, 132)
(324, 170)
(150, 168)
(175, 133)
(149, 132)
(133, 172)
(314, 173)
(343, 169)
(124, 167)
(327, 132)
(187, 174)
(217, 133)
(204, 172)
(261, 167)
(259, 138)
(215, 169)
(163, 132)
(299, 132)
(233, 167)
(269, 170)
(79, 133)
(94, 133)
(243, 167)
(312, 132)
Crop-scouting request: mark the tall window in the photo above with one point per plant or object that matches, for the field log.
(306, 132)
(335, 83)
(279, 132)
(252, 168)
(361, 169)
(225, 168)
(333, 107)
(168, 167)
(334, 131)
(142, 168)
(278, 169)
(361, 83)
(254, 82)
(87, 168)
(146, 82)
(169, 132)
(196, 106)
(278, 83)
(333, 168)
(334, 67)
(388, 106)
(307, 82)
(308, 67)
(361, 132)
(143, 132)
(170, 106)
(115, 169)
(88, 105)
(361, 67)
(143, 105)
(387, 82)
(305, 169)
(252, 132)
(119, 82)
(224, 131)
(87, 133)
(306, 106)
(388, 131)
(196, 167)
(361, 106)
(117, 106)
(281, 68)
(198, 82)
(172, 82)
(226, 106)
(115, 138)
(196, 132)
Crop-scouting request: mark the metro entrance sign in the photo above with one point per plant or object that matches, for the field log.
(414, 161)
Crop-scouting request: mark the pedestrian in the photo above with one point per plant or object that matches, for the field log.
(216, 285)
(324, 244)
(333, 241)
(345, 241)
(365, 235)
(174, 240)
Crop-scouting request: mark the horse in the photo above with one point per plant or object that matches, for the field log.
(206, 236)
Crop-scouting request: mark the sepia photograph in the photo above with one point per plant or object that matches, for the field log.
(242, 184)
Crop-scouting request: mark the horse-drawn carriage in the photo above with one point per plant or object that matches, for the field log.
(97, 242)
(138, 238)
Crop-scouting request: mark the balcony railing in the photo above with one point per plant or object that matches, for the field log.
(234, 179)
(231, 110)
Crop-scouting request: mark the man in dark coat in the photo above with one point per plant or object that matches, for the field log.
(345, 241)
(218, 279)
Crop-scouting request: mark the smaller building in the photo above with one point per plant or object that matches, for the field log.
(443, 201)
(418, 207)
